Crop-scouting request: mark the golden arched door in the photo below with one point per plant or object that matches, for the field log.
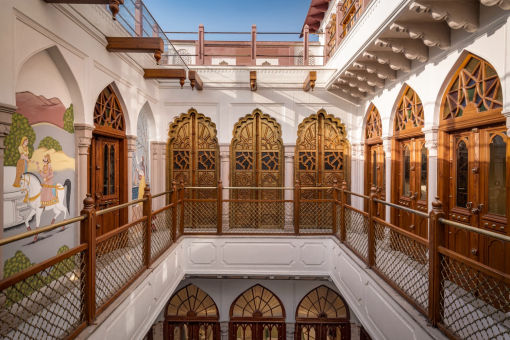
(474, 162)
(256, 160)
(410, 164)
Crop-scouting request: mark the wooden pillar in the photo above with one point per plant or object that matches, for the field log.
(335, 200)
(306, 32)
(219, 213)
(181, 208)
(147, 212)
(174, 199)
(343, 200)
(253, 44)
(372, 211)
(297, 196)
(436, 236)
(88, 236)
(201, 51)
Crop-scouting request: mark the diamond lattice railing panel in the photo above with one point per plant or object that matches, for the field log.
(200, 215)
(404, 262)
(161, 232)
(475, 305)
(118, 260)
(258, 215)
(46, 305)
(356, 232)
(317, 216)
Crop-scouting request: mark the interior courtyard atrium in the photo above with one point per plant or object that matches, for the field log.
(347, 179)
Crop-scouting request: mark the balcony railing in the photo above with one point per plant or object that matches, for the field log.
(60, 296)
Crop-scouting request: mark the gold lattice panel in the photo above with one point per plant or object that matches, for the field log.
(475, 88)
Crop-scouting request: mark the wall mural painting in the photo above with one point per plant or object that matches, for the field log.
(140, 168)
(39, 169)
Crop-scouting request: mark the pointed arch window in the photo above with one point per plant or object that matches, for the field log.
(322, 151)
(322, 314)
(193, 150)
(373, 129)
(108, 115)
(475, 88)
(257, 314)
(409, 115)
(191, 314)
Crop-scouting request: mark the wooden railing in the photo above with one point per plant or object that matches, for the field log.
(60, 296)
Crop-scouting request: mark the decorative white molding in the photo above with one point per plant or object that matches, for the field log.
(431, 141)
(458, 14)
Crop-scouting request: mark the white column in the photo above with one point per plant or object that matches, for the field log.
(431, 142)
(131, 148)
(290, 328)
(388, 184)
(6, 112)
(224, 330)
(225, 166)
(289, 182)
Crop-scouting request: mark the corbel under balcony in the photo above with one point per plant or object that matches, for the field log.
(137, 45)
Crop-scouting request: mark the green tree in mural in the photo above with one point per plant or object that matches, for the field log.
(19, 129)
(50, 143)
(69, 119)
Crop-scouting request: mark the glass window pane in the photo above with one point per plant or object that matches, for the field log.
(462, 175)
(423, 172)
(497, 176)
(105, 169)
(374, 168)
(406, 178)
(112, 169)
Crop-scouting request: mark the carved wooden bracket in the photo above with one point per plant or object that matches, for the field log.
(112, 4)
(166, 73)
(195, 80)
(137, 44)
(253, 80)
(310, 81)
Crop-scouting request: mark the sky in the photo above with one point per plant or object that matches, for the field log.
(229, 15)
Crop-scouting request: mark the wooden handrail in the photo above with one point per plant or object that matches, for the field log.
(119, 206)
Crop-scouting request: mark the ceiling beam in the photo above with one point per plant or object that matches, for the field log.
(253, 80)
(165, 73)
(136, 44)
(195, 80)
(310, 80)
(113, 4)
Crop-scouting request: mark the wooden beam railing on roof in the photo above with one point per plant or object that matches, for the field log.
(165, 73)
(113, 4)
(137, 44)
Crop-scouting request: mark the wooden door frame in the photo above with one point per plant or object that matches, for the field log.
(123, 162)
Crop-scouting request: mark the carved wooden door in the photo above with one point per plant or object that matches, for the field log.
(478, 194)
(376, 165)
(107, 181)
(412, 184)
(256, 161)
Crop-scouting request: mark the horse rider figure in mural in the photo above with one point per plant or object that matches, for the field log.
(39, 196)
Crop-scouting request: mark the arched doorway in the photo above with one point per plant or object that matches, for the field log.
(375, 160)
(257, 314)
(322, 314)
(256, 160)
(474, 160)
(191, 314)
(409, 163)
(108, 160)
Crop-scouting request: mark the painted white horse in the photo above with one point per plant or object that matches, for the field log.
(31, 187)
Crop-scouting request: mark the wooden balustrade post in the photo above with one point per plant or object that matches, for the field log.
(343, 202)
(174, 199)
(297, 197)
(181, 210)
(220, 208)
(147, 212)
(306, 32)
(201, 51)
(88, 236)
(253, 44)
(335, 200)
(372, 211)
(436, 239)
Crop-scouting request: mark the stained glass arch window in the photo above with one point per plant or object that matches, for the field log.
(322, 151)
(108, 115)
(475, 88)
(322, 303)
(373, 127)
(409, 116)
(191, 301)
(257, 302)
(193, 150)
